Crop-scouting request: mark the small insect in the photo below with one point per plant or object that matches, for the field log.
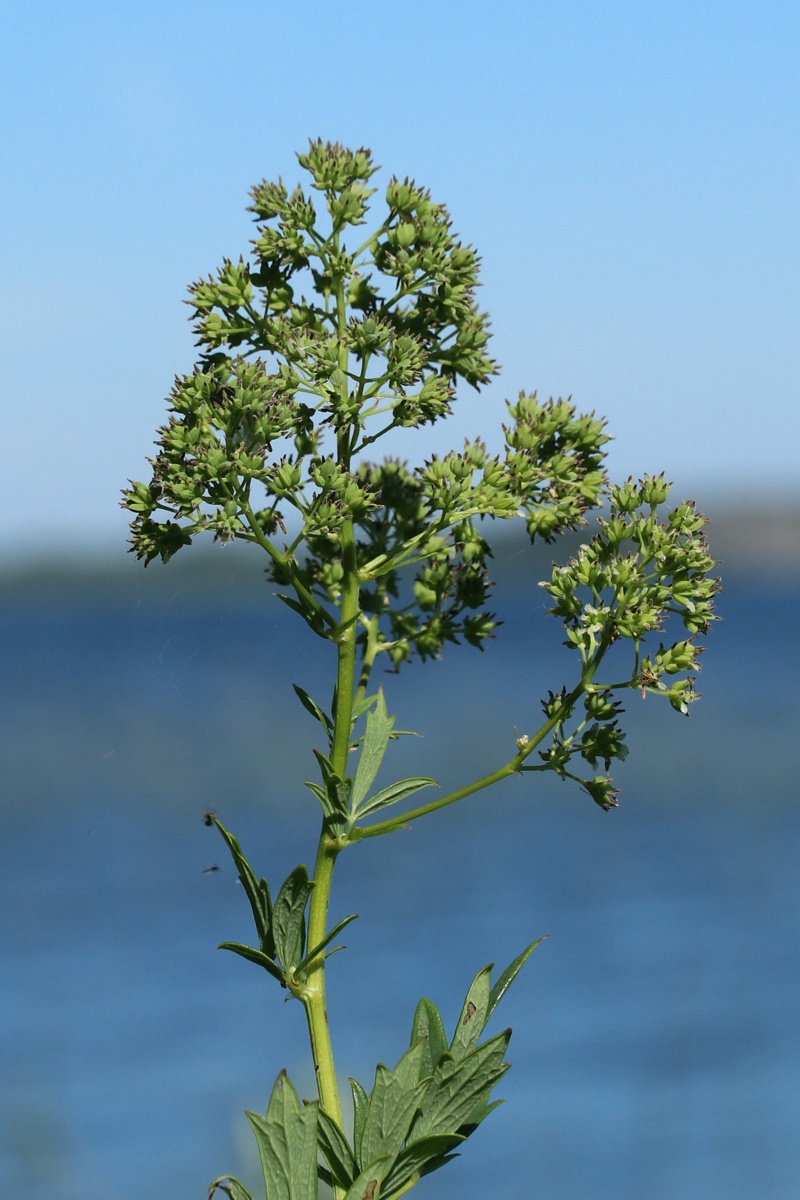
(208, 816)
(469, 1014)
(209, 870)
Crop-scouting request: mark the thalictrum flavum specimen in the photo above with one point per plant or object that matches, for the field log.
(339, 328)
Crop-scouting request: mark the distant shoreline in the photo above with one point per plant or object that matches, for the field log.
(748, 542)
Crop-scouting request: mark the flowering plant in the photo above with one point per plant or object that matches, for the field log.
(323, 343)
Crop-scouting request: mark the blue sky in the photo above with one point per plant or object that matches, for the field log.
(630, 173)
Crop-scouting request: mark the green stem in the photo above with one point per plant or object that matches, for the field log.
(329, 845)
(287, 562)
(512, 767)
(314, 990)
(371, 651)
(346, 667)
(361, 832)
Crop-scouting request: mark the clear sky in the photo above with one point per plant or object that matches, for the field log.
(629, 171)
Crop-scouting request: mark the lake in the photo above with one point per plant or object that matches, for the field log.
(655, 1049)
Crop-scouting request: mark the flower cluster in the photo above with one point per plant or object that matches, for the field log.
(310, 353)
(313, 351)
(635, 577)
(635, 573)
(225, 418)
(310, 337)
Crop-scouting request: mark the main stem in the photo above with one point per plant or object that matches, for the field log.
(329, 845)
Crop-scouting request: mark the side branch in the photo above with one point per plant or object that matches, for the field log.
(512, 767)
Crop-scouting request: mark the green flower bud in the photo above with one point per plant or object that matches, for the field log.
(623, 572)
(599, 707)
(681, 657)
(478, 628)
(681, 695)
(654, 490)
(285, 479)
(602, 792)
(543, 523)
(626, 498)
(140, 498)
(269, 200)
(403, 235)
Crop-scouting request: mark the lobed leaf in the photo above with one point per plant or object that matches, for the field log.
(373, 748)
(393, 1103)
(393, 794)
(361, 706)
(367, 1186)
(288, 918)
(255, 956)
(312, 707)
(334, 794)
(418, 1159)
(509, 975)
(458, 1086)
(429, 1027)
(326, 941)
(231, 1187)
(257, 891)
(473, 1014)
(336, 1149)
(479, 1114)
(360, 1112)
(287, 1144)
(317, 620)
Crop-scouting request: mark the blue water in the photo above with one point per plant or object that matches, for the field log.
(655, 1044)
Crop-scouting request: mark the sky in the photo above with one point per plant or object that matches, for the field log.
(629, 172)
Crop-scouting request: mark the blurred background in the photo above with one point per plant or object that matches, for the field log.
(630, 175)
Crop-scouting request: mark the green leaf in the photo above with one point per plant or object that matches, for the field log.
(368, 1184)
(325, 764)
(288, 918)
(231, 1187)
(327, 940)
(393, 794)
(509, 975)
(337, 630)
(376, 739)
(418, 1159)
(428, 1025)
(325, 1176)
(473, 1014)
(334, 795)
(312, 707)
(392, 1104)
(255, 956)
(335, 1147)
(287, 1144)
(479, 1114)
(333, 799)
(458, 1086)
(257, 892)
(360, 1111)
(321, 795)
(317, 620)
(361, 706)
